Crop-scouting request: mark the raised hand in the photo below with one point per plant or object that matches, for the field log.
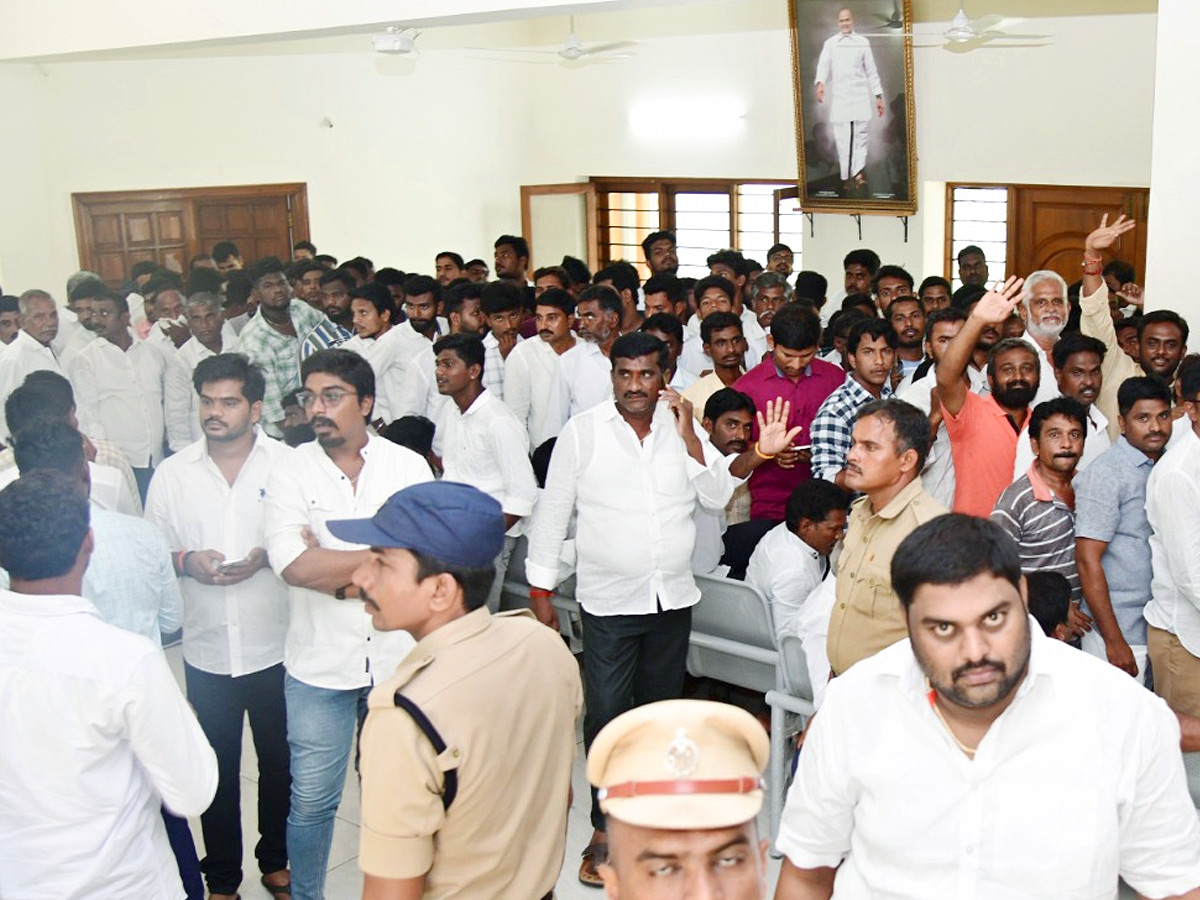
(1131, 293)
(997, 305)
(773, 434)
(683, 410)
(1106, 235)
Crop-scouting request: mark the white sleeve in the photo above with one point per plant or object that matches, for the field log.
(518, 385)
(824, 64)
(177, 404)
(82, 376)
(1178, 500)
(511, 447)
(554, 509)
(285, 518)
(714, 483)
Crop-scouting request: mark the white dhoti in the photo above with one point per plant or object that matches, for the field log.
(851, 139)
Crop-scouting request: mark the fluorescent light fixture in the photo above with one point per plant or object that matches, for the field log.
(708, 118)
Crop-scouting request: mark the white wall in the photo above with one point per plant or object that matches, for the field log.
(433, 158)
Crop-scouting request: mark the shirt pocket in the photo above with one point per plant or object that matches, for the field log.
(873, 595)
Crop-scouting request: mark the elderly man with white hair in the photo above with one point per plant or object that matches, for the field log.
(30, 350)
(1043, 309)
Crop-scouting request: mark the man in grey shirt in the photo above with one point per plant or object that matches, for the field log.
(1112, 533)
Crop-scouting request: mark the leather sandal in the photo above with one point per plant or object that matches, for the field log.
(593, 855)
(277, 890)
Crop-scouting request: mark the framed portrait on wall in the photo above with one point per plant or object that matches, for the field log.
(855, 128)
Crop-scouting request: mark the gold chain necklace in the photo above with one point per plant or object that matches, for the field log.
(970, 751)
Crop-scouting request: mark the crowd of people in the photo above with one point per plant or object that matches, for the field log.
(320, 473)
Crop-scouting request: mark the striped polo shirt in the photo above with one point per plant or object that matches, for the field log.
(1042, 525)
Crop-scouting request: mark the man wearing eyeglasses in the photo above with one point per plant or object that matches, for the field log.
(332, 655)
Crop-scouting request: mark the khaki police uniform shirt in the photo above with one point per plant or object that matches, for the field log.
(504, 693)
(867, 616)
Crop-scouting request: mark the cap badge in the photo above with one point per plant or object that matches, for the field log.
(682, 755)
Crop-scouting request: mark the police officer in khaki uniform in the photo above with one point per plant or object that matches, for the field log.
(467, 749)
(681, 784)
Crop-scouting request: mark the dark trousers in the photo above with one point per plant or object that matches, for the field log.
(221, 702)
(142, 477)
(180, 837)
(629, 661)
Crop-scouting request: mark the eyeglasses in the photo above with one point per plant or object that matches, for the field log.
(329, 397)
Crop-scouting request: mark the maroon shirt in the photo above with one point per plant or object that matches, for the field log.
(770, 486)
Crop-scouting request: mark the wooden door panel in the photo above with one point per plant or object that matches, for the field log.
(106, 230)
(169, 226)
(112, 267)
(210, 219)
(239, 220)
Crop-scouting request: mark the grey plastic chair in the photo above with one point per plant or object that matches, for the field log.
(733, 639)
(791, 708)
(515, 595)
(1191, 764)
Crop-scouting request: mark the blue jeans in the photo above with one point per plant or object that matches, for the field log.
(321, 724)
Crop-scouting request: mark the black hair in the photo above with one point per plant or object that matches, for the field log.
(9, 303)
(872, 328)
(1003, 346)
(467, 347)
(666, 323)
(302, 267)
(389, 277)
(378, 296)
(714, 281)
(339, 275)
(476, 582)
(231, 367)
(558, 272)
(413, 432)
(966, 296)
(666, 283)
(223, 250)
(49, 444)
(142, 267)
(559, 299)
(519, 245)
(87, 289)
(649, 240)
(344, 364)
(859, 301)
(203, 280)
(1049, 599)
(475, 262)
(843, 320)
(455, 258)
(868, 259)
(1075, 342)
(814, 500)
(261, 268)
(359, 264)
(932, 281)
(609, 299)
(416, 285)
(811, 285)
(776, 248)
(1130, 392)
(1160, 316)
(1121, 270)
(456, 295)
(163, 279)
(46, 397)
(305, 245)
(238, 288)
(501, 296)
(725, 401)
(910, 425)
(753, 265)
(623, 275)
(796, 328)
(1059, 406)
(969, 250)
(953, 549)
(1133, 322)
(730, 258)
(577, 269)
(890, 271)
(717, 321)
(946, 314)
(1189, 380)
(44, 519)
(638, 343)
(326, 259)
(119, 303)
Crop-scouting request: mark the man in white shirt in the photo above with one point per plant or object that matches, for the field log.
(793, 557)
(633, 471)
(208, 501)
(482, 442)
(961, 733)
(846, 71)
(182, 403)
(119, 384)
(584, 373)
(531, 370)
(106, 737)
(80, 303)
(332, 654)
(1173, 613)
(30, 349)
(503, 303)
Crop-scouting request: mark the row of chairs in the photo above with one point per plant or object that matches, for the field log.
(733, 640)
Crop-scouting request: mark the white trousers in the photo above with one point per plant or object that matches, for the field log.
(851, 139)
(1092, 643)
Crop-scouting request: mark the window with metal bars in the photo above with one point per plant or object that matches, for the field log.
(977, 215)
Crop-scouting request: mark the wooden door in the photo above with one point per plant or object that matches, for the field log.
(1049, 224)
(117, 229)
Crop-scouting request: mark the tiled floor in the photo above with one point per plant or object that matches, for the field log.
(345, 879)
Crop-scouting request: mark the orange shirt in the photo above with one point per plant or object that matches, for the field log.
(983, 443)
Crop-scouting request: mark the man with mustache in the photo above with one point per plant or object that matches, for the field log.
(584, 372)
(1112, 532)
(1038, 509)
(338, 325)
(984, 429)
(531, 370)
(1043, 309)
(181, 403)
(935, 769)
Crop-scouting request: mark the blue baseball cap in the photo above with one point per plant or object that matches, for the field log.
(454, 523)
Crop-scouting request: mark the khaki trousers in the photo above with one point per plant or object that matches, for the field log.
(1176, 671)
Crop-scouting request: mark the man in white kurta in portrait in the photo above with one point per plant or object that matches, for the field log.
(847, 78)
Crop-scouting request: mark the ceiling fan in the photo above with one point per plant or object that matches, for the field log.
(396, 41)
(573, 50)
(965, 35)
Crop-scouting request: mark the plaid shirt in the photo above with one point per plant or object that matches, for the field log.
(327, 334)
(494, 364)
(279, 358)
(831, 429)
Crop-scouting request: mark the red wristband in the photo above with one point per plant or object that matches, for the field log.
(539, 594)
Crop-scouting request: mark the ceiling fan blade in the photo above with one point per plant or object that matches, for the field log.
(609, 48)
(1008, 35)
(512, 50)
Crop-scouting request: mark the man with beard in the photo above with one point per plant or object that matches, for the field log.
(1038, 509)
(780, 259)
(512, 259)
(768, 292)
(305, 278)
(81, 301)
(889, 283)
(1162, 334)
(659, 250)
(337, 326)
(207, 501)
(584, 372)
(181, 402)
(728, 418)
(972, 267)
(1112, 533)
(871, 351)
(984, 430)
(422, 297)
(531, 370)
(332, 654)
(907, 316)
(934, 293)
(985, 711)
(1043, 310)
(721, 337)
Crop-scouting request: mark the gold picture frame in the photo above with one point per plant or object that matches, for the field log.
(854, 165)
